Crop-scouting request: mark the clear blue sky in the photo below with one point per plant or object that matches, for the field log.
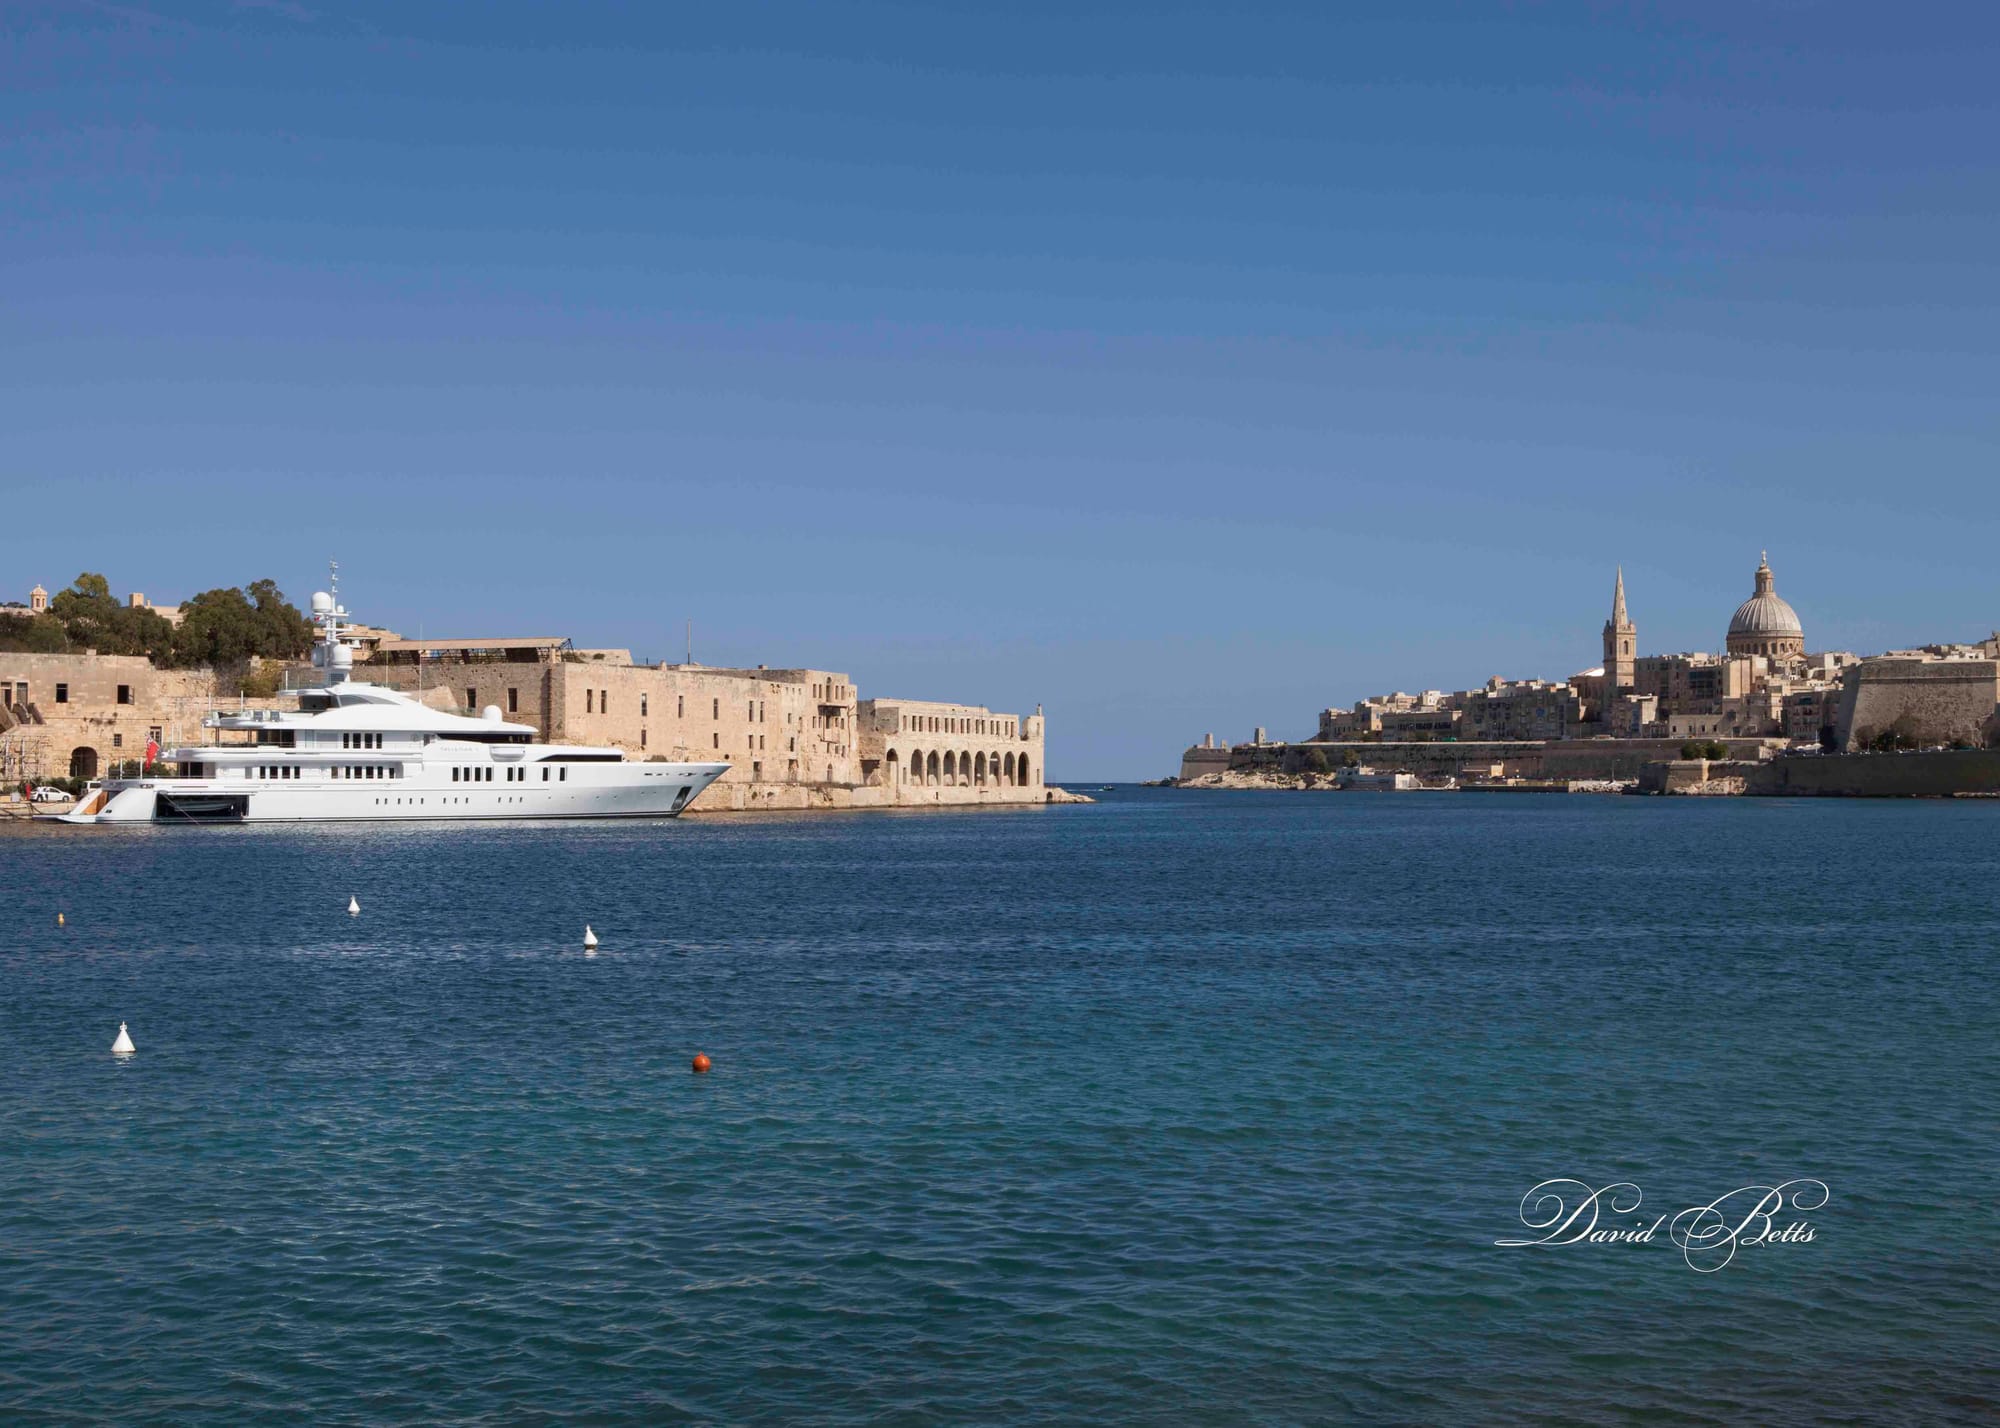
(1181, 368)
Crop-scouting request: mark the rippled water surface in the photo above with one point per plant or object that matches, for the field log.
(1187, 1107)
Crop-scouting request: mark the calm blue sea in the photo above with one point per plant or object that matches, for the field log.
(1186, 1107)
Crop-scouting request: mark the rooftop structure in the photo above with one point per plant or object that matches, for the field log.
(1765, 624)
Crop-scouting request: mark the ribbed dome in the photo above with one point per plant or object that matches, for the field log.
(1764, 624)
(1765, 615)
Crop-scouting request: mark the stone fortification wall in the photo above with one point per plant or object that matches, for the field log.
(1924, 701)
(1626, 758)
(76, 715)
(1555, 758)
(1432, 759)
(1199, 762)
(1912, 775)
(776, 726)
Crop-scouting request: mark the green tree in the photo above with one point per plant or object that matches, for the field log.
(225, 627)
(1316, 761)
(32, 634)
(93, 620)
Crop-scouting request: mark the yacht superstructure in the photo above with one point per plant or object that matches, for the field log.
(354, 751)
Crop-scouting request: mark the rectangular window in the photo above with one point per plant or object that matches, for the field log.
(680, 706)
(513, 701)
(124, 694)
(604, 701)
(642, 737)
(590, 701)
(154, 733)
(454, 775)
(472, 698)
(117, 741)
(62, 694)
(563, 777)
(718, 740)
(642, 706)
(715, 710)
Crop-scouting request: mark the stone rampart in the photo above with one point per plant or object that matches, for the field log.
(1463, 759)
(1923, 701)
(1913, 775)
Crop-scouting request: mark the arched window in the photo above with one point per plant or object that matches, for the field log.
(979, 767)
(931, 770)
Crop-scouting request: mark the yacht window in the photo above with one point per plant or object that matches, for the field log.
(565, 776)
(344, 740)
(545, 775)
(454, 775)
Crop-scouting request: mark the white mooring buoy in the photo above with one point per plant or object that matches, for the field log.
(353, 907)
(123, 1045)
(589, 939)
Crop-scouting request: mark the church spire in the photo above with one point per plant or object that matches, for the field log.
(1621, 644)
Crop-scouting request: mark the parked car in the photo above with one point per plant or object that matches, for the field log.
(45, 794)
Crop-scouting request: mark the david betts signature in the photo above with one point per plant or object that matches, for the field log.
(1569, 1212)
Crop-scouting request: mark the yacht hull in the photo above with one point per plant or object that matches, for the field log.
(607, 791)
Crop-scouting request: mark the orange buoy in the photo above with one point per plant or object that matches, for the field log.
(701, 1063)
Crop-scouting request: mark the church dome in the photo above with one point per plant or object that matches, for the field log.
(1765, 621)
(1765, 615)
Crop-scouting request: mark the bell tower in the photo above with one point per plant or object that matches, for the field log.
(1621, 646)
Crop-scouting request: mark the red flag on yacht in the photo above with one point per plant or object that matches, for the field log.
(152, 751)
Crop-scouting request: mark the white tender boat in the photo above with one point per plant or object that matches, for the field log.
(354, 751)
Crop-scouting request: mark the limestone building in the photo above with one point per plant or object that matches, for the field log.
(79, 715)
(795, 738)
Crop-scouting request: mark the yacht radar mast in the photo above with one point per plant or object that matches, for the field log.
(330, 654)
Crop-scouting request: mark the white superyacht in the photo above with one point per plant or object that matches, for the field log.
(363, 752)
